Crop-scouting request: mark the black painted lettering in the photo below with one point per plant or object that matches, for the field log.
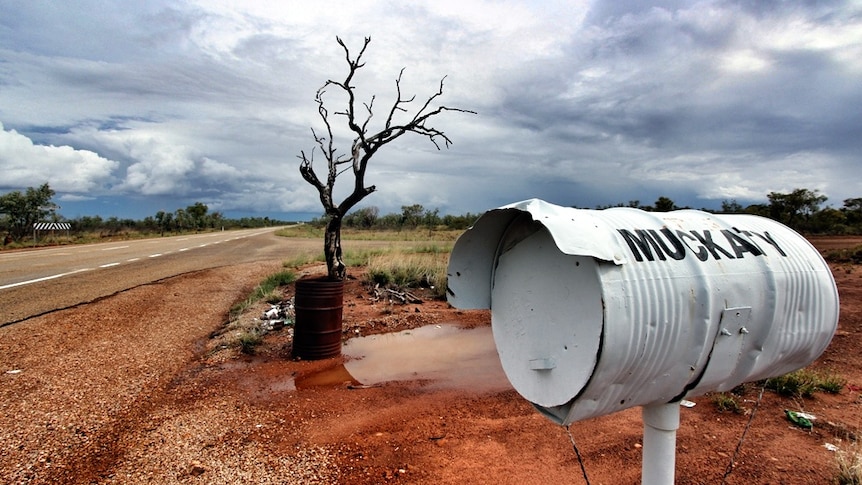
(710, 245)
(679, 250)
(700, 253)
(653, 244)
(639, 245)
(650, 236)
(739, 245)
(750, 238)
(766, 237)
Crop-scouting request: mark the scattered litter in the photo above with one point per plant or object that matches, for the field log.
(830, 447)
(393, 296)
(14, 371)
(807, 416)
(687, 404)
(278, 316)
(798, 419)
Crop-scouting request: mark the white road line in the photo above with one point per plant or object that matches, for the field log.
(46, 278)
(108, 265)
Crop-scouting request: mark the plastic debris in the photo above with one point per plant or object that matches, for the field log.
(14, 371)
(830, 447)
(807, 416)
(798, 420)
(278, 316)
(687, 404)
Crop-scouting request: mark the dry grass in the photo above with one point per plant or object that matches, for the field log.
(849, 463)
(410, 269)
(424, 234)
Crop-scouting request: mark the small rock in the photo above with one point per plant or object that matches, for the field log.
(196, 469)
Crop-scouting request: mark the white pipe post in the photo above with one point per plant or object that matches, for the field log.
(659, 448)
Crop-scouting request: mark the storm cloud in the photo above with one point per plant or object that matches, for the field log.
(124, 108)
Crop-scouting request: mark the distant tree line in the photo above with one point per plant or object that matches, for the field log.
(800, 209)
(411, 217)
(19, 211)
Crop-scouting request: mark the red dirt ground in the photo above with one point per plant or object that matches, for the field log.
(127, 390)
(412, 432)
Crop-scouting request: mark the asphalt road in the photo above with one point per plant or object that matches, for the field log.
(35, 282)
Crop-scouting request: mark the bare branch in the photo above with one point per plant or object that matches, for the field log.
(363, 145)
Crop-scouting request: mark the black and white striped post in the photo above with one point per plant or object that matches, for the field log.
(50, 226)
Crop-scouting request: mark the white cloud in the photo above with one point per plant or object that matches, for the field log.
(25, 164)
(587, 102)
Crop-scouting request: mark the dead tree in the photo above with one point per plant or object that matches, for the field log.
(363, 147)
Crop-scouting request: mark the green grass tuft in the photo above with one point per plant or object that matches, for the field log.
(804, 383)
(266, 290)
(725, 403)
(248, 341)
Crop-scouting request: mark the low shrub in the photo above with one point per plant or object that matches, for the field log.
(248, 341)
(804, 383)
(725, 403)
(844, 255)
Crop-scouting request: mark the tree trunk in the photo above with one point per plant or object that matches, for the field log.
(336, 271)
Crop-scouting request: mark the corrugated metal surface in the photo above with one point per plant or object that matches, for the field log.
(597, 311)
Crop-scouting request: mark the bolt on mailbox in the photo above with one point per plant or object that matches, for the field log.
(596, 311)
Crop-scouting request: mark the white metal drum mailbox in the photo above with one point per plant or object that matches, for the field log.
(597, 311)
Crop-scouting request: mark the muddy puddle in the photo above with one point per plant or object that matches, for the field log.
(442, 356)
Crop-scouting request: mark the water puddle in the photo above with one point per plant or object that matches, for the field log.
(445, 356)
(334, 376)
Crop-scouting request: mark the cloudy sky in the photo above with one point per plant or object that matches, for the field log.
(131, 107)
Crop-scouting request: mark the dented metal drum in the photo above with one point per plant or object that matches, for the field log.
(598, 311)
